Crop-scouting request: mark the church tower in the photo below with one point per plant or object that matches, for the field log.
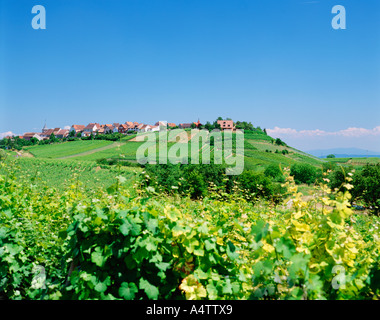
(44, 129)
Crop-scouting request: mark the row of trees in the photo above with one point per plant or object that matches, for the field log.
(199, 181)
(242, 125)
(16, 143)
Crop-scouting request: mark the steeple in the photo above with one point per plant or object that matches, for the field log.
(45, 128)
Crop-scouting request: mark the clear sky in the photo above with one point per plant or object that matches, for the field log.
(278, 64)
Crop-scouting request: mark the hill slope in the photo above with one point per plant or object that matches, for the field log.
(260, 150)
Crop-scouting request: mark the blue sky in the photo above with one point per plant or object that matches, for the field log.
(278, 64)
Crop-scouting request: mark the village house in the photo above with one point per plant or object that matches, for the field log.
(30, 135)
(143, 128)
(184, 125)
(162, 124)
(108, 128)
(130, 124)
(47, 133)
(101, 129)
(138, 126)
(115, 127)
(226, 124)
(123, 128)
(90, 128)
(62, 133)
(77, 128)
(189, 125)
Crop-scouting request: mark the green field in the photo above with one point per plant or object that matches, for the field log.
(260, 151)
(126, 150)
(60, 150)
(355, 162)
(60, 174)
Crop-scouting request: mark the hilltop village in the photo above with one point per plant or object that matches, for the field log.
(129, 127)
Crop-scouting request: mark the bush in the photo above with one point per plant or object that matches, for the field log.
(257, 185)
(115, 161)
(303, 173)
(274, 171)
(279, 142)
(196, 180)
(367, 187)
(337, 176)
(190, 180)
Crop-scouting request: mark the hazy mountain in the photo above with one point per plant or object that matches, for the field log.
(343, 152)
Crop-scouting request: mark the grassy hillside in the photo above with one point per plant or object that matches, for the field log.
(126, 150)
(59, 174)
(354, 162)
(260, 151)
(59, 150)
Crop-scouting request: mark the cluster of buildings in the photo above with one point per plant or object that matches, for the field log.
(124, 128)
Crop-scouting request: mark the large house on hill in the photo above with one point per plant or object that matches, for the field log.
(226, 124)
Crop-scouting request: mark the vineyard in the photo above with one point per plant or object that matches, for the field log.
(57, 174)
(66, 149)
(128, 241)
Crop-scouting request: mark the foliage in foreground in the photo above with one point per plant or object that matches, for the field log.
(206, 180)
(124, 245)
(366, 184)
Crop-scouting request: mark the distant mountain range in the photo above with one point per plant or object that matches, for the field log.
(344, 153)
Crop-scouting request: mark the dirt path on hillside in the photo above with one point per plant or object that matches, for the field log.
(86, 153)
(24, 154)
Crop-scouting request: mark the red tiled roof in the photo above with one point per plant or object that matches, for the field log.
(30, 134)
(185, 125)
(62, 132)
(92, 125)
(77, 127)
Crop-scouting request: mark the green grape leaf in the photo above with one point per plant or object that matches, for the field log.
(97, 257)
(128, 290)
(150, 290)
